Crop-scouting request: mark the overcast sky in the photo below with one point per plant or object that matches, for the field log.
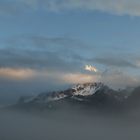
(45, 44)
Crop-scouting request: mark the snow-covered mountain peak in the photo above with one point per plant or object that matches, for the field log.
(87, 89)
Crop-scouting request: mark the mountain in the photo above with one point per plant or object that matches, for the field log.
(133, 100)
(96, 95)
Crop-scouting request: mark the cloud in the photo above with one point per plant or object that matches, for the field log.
(119, 7)
(16, 74)
(119, 79)
(91, 68)
(35, 52)
(74, 78)
(116, 61)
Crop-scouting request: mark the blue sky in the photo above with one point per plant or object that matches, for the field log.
(45, 44)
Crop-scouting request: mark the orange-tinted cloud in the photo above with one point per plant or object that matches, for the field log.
(16, 73)
(75, 78)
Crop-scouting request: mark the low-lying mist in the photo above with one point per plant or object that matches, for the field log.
(68, 125)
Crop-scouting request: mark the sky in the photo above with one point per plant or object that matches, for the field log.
(46, 44)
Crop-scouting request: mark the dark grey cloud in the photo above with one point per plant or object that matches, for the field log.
(115, 61)
(54, 54)
(50, 61)
(43, 42)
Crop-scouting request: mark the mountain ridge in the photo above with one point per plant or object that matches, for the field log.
(87, 94)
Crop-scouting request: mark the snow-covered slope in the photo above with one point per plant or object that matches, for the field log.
(87, 89)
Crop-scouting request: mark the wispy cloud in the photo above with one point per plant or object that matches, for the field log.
(116, 61)
(74, 78)
(119, 7)
(119, 79)
(53, 54)
(16, 74)
(62, 60)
